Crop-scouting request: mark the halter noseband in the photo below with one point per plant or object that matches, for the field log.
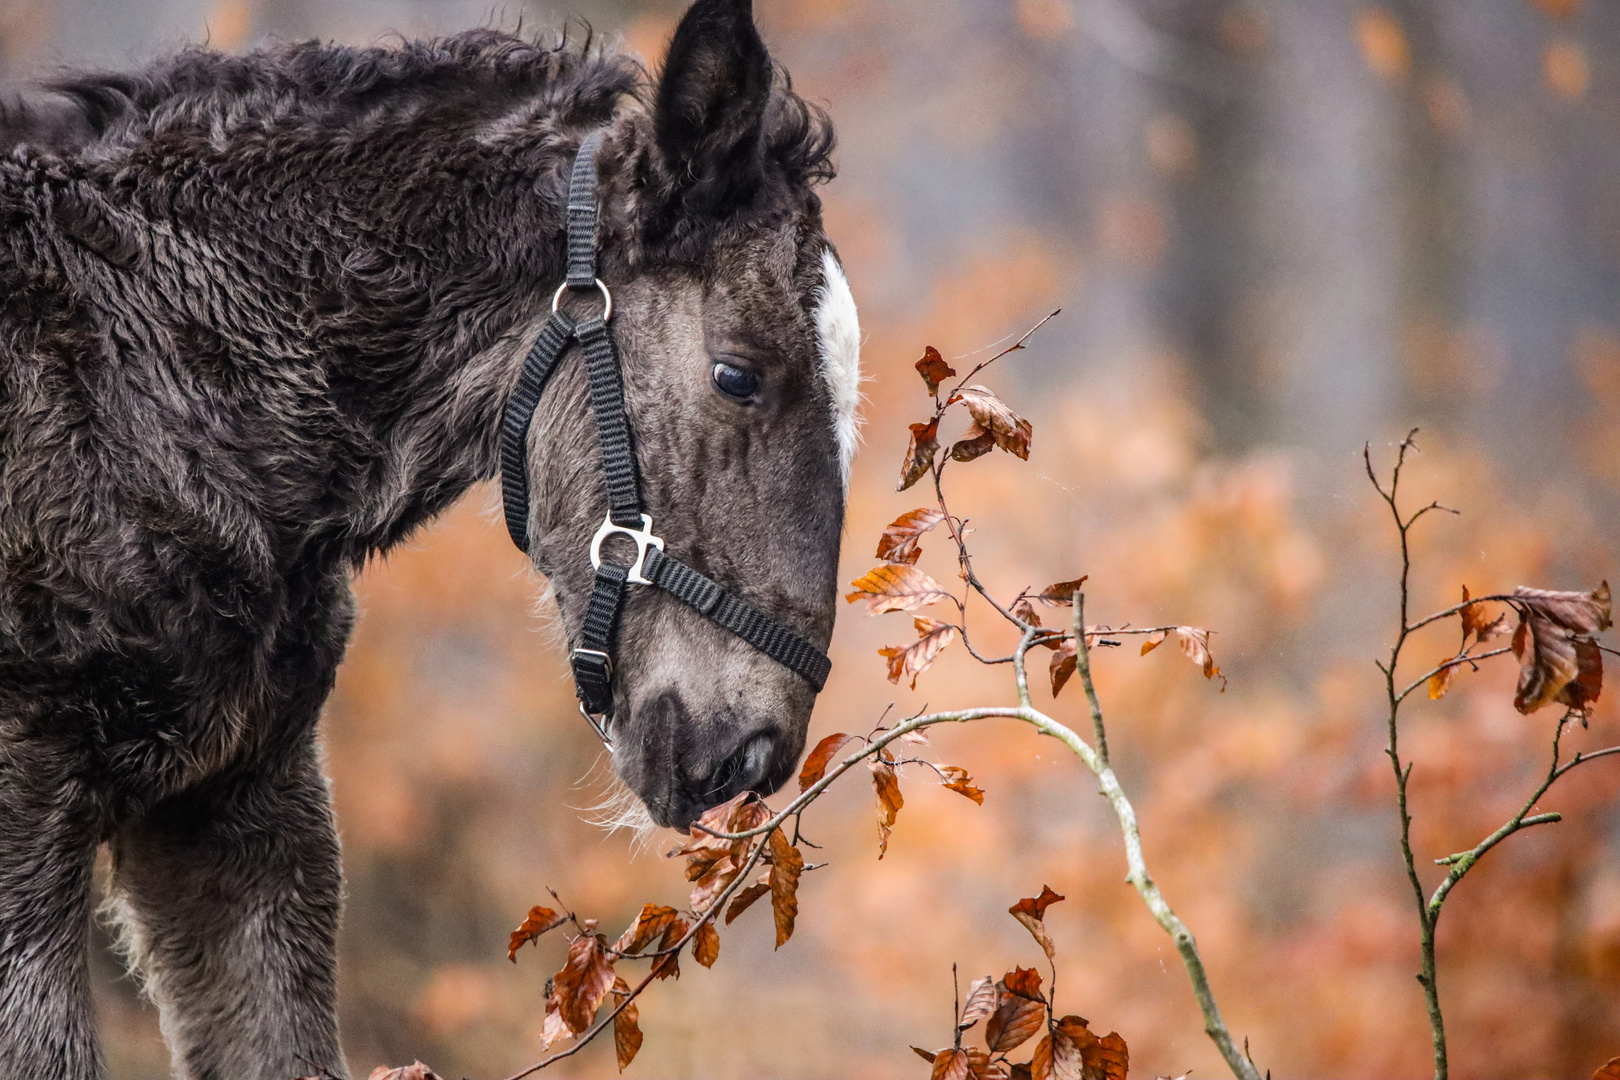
(592, 657)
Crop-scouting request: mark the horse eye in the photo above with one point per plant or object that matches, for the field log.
(736, 383)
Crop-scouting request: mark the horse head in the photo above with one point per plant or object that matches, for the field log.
(739, 353)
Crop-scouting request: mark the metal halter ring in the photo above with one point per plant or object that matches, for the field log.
(601, 731)
(607, 299)
(643, 537)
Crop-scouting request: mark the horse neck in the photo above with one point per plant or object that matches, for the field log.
(422, 353)
(425, 422)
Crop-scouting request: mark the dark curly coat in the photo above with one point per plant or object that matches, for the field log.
(258, 318)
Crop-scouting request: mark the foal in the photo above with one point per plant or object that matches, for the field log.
(260, 317)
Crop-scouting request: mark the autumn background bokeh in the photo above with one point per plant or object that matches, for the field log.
(1278, 229)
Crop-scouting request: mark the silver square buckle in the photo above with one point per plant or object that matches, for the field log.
(643, 538)
(607, 661)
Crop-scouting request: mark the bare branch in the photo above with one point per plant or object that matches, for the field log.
(1460, 658)
(1014, 347)
(1215, 1027)
(1497, 598)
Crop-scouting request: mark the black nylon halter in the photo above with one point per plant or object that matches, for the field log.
(592, 657)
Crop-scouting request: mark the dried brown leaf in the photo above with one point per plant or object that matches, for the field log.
(626, 1027)
(1610, 1070)
(887, 786)
(1010, 431)
(1068, 1052)
(537, 922)
(1474, 616)
(744, 899)
(896, 587)
(1061, 593)
(898, 544)
(1581, 692)
(1153, 641)
(554, 1028)
(1554, 666)
(707, 888)
(1065, 661)
(980, 1067)
(926, 1055)
(1441, 681)
(742, 812)
(920, 454)
(786, 865)
(670, 963)
(1031, 913)
(748, 814)
(1547, 662)
(1014, 1022)
(584, 981)
(1576, 612)
(958, 780)
(706, 944)
(1545, 644)
(1024, 983)
(651, 923)
(950, 1065)
(982, 999)
(1108, 1058)
(1022, 1071)
(1478, 622)
(1195, 646)
(815, 766)
(1040, 1065)
(1035, 906)
(934, 370)
(415, 1071)
(974, 443)
(1024, 612)
(1073, 1048)
(919, 656)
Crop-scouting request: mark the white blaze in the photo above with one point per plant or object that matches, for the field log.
(839, 331)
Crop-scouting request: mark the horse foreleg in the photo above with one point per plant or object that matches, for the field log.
(47, 855)
(229, 900)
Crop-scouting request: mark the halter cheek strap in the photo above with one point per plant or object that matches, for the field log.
(592, 656)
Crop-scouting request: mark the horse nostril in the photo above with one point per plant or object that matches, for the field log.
(744, 769)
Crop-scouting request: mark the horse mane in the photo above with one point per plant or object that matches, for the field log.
(334, 83)
(483, 70)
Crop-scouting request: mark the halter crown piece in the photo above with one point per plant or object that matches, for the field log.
(592, 657)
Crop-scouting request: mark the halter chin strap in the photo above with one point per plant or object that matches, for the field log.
(592, 656)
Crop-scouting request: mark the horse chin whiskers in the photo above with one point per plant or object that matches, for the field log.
(619, 808)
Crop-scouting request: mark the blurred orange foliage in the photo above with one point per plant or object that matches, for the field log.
(1263, 262)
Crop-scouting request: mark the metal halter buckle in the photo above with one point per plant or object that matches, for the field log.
(607, 299)
(643, 537)
(607, 661)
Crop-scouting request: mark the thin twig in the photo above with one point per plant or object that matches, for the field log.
(1460, 658)
(1430, 906)
(1464, 861)
(1082, 657)
(1214, 1026)
(1014, 347)
(1494, 598)
(1403, 774)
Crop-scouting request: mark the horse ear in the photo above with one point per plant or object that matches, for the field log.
(710, 112)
